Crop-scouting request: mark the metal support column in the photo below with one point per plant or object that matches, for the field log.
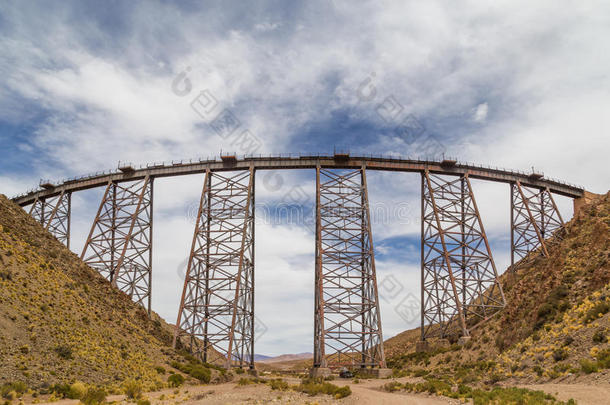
(347, 323)
(216, 314)
(119, 245)
(453, 237)
(53, 213)
(535, 221)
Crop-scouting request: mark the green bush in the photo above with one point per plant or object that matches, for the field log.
(545, 310)
(201, 373)
(133, 389)
(560, 354)
(500, 343)
(392, 386)
(495, 377)
(6, 275)
(94, 396)
(538, 370)
(343, 392)
(13, 389)
(563, 307)
(160, 370)
(195, 369)
(600, 308)
(175, 380)
(588, 366)
(63, 351)
(600, 336)
(77, 390)
(603, 358)
(316, 386)
(245, 381)
(278, 384)
(557, 294)
(10, 396)
(60, 390)
(420, 372)
(143, 402)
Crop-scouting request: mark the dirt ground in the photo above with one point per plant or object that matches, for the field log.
(366, 392)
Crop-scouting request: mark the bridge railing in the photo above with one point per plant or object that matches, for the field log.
(201, 160)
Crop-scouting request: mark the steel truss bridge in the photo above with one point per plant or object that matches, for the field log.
(459, 279)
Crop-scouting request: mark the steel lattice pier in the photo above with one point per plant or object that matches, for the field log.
(347, 324)
(459, 278)
(54, 215)
(534, 220)
(119, 245)
(216, 315)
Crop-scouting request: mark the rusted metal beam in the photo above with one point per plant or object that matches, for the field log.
(347, 329)
(375, 315)
(54, 214)
(216, 314)
(453, 237)
(191, 311)
(535, 220)
(490, 293)
(307, 162)
(119, 245)
(437, 261)
(244, 294)
(319, 354)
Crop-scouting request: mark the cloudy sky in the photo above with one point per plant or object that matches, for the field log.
(86, 84)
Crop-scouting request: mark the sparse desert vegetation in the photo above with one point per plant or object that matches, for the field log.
(65, 332)
(69, 335)
(555, 326)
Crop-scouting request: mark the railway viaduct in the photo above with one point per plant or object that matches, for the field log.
(459, 279)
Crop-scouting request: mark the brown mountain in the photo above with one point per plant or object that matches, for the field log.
(60, 321)
(287, 357)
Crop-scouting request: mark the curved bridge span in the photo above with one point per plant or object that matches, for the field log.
(303, 162)
(460, 285)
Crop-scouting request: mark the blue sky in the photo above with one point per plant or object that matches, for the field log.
(86, 84)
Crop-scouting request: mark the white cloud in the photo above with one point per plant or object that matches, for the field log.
(480, 113)
(267, 26)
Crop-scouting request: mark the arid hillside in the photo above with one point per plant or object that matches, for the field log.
(61, 322)
(556, 322)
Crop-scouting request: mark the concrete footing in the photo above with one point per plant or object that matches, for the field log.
(422, 346)
(375, 372)
(316, 372)
(442, 344)
(253, 372)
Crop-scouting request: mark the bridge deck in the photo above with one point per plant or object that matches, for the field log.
(303, 162)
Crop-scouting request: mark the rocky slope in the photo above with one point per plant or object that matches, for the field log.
(60, 321)
(556, 323)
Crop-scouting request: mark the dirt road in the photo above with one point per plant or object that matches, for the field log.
(366, 392)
